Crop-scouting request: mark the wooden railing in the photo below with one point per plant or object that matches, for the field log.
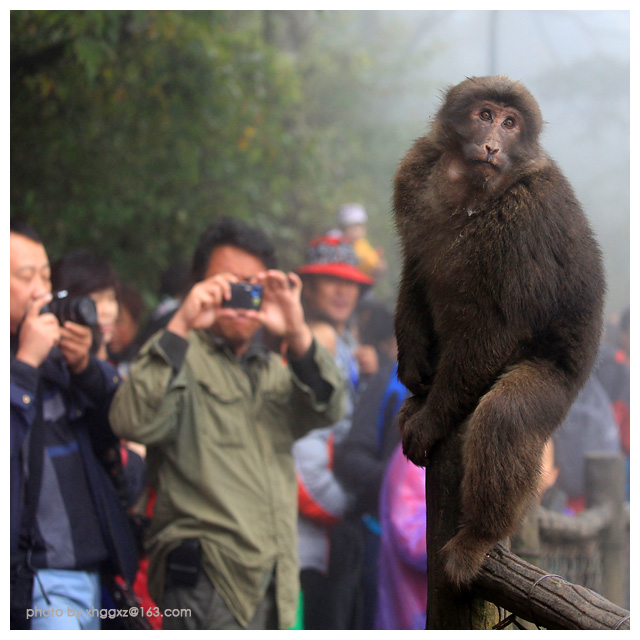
(527, 593)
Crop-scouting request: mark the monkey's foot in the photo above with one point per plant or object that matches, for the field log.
(465, 555)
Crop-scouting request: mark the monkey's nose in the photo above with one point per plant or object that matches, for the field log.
(491, 151)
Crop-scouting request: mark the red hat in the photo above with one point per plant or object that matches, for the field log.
(334, 256)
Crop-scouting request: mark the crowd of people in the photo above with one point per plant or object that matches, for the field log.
(225, 464)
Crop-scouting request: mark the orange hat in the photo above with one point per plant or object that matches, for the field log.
(334, 256)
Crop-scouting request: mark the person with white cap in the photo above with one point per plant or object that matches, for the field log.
(352, 224)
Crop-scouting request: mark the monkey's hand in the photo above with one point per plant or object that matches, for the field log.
(418, 433)
(415, 378)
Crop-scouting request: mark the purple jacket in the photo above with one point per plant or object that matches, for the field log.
(402, 577)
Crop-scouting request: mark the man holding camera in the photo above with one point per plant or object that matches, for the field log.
(219, 413)
(67, 525)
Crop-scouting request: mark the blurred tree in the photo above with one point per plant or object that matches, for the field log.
(131, 130)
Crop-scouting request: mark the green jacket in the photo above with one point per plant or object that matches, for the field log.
(219, 433)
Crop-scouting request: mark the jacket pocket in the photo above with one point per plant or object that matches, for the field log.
(221, 415)
(276, 413)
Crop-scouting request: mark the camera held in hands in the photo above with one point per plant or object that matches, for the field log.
(244, 296)
(81, 309)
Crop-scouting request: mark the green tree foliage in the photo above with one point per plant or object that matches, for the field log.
(132, 130)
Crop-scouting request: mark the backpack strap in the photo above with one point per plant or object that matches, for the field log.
(33, 482)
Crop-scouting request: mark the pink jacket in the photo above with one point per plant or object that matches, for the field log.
(402, 578)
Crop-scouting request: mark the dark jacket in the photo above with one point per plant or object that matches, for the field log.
(81, 523)
(361, 458)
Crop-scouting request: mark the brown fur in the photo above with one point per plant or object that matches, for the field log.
(499, 311)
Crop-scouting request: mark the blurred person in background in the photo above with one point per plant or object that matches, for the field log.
(352, 224)
(333, 286)
(614, 373)
(67, 522)
(589, 426)
(361, 458)
(82, 273)
(219, 414)
(402, 579)
(123, 345)
(552, 496)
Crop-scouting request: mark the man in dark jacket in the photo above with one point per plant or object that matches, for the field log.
(67, 524)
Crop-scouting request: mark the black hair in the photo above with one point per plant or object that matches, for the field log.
(175, 281)
(81, 273)
(375, 322)
(130, 298)
(24, 229)
(234, 233)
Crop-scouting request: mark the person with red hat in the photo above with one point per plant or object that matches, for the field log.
(332, 287)
(333, 283)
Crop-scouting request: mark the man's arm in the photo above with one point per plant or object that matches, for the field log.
(22, 397)
(319, 395)
(307, 370)
(145, 406)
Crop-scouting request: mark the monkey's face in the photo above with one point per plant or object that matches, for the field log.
(490, 139)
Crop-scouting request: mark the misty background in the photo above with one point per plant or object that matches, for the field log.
(130, 130)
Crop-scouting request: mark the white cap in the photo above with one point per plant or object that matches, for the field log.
(351, 213)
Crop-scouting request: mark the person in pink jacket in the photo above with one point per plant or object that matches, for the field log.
(402, 577)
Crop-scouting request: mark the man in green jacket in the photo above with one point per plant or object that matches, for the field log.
(219, 413)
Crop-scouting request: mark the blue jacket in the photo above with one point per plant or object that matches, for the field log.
(81, 523)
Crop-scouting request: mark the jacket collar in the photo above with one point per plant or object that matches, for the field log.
(256, 350)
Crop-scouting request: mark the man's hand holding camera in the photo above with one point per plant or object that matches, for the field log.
(280, 309)
(202, 305)
(75, 344)
(40, 332)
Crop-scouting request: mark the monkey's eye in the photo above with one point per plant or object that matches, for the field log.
(485, 114)
(509, 122)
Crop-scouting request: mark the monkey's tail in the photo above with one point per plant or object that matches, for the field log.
(501, 456)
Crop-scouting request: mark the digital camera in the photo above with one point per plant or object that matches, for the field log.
(244, 296)
(81, 309)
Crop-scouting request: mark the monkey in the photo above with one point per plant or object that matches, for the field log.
(499, 308)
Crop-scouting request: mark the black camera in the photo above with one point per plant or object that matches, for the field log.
(244, 296)
(81, 310)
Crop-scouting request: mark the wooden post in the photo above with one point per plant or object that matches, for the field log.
(447, 606)
(604, 484)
